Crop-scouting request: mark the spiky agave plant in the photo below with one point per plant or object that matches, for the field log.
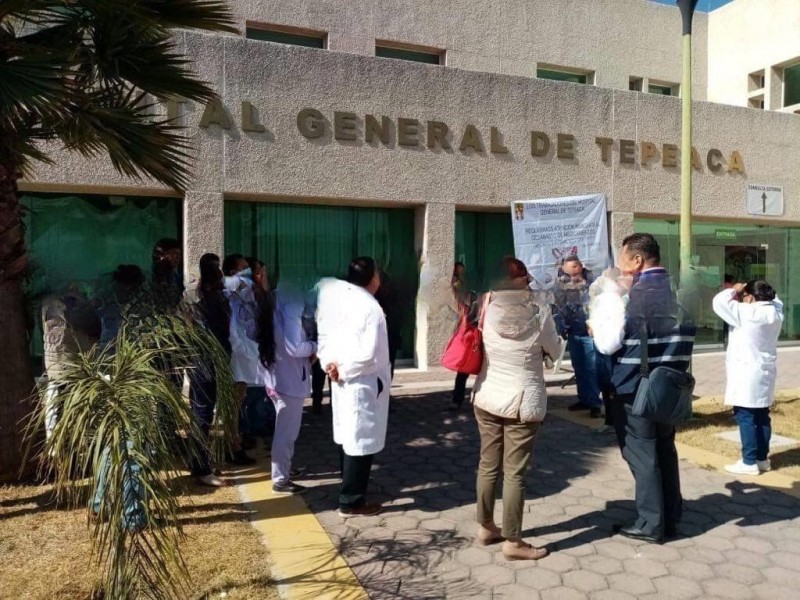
(112, 408)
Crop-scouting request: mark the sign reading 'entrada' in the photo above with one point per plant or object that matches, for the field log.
(437, 135)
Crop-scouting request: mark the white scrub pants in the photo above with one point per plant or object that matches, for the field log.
(288, 417)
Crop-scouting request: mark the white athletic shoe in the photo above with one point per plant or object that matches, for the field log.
(739, 468)
(764, 465)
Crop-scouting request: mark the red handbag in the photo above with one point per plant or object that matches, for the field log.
(464, 352)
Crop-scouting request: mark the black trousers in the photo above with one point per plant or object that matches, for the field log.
(649, 449)
(203, 396)
(318, 379)
(460, 388)
(355, 479)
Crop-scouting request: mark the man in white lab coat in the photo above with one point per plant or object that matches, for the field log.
(354, 352)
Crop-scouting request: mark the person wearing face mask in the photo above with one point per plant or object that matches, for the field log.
(258, 412)
(754, 315)
(653, 317)
(245, 361)
(571, 301)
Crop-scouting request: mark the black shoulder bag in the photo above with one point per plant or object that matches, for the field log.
(664, 394)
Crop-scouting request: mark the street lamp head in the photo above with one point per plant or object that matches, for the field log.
(687, 12)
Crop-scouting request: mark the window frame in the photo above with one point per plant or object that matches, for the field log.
(784, 90)
(392, 46)
(287, 30)
(587, 75)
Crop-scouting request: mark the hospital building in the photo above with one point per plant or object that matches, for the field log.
(405, 130)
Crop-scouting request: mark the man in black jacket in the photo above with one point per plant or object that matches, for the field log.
(647, 446)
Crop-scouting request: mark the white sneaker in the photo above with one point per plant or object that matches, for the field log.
(739, 468)
(764, 465)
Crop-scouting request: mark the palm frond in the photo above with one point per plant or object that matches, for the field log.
(209, 15)
(32, 87)
(136, 143)
(126, 55)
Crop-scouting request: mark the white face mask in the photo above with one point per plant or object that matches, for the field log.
(233, 283)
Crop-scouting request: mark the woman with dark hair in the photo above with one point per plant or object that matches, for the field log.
(167, 274)
(286, 353)
(466, 305)
(510, 402)
(215, 314)
(755, 316)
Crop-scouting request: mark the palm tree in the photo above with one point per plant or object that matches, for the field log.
(118, 412)
(85, 74)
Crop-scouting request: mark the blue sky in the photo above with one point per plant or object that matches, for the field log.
(703, 5)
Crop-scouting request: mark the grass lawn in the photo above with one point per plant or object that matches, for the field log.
(45, 548)
(712, 416)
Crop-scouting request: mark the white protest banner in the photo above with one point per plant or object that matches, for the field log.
(548, 230)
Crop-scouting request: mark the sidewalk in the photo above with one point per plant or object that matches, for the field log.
(708, 369)
(738, 540)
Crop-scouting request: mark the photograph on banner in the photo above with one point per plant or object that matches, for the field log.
(548, 230)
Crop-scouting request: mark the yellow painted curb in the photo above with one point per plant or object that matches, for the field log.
(305, 563)
(702, 458)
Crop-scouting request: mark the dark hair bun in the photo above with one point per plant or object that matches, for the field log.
(760, 290)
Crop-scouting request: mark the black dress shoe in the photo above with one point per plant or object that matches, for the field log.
(634, 533)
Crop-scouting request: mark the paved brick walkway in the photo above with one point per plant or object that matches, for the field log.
(739, 540)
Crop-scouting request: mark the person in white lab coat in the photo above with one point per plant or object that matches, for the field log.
(286, 353)
(755, 316)
(354, 352)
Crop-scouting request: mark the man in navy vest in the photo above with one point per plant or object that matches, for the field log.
(648, 447)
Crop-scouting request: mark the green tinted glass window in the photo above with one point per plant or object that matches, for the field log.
(741, 251)
(301, 243)
(663, 90)
(791, 85)
(412, 55)
(482, 240)
(280, 37)
(77, 241)
(560, 76)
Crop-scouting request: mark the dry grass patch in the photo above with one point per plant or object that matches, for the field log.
(711, 416)
(45, 549)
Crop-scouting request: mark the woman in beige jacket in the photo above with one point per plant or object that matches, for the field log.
(510, 402)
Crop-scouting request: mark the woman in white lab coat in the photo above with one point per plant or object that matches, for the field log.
(755, 316)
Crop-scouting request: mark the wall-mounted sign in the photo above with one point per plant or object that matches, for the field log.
(725, 234)
(764, 200)
(350, 128)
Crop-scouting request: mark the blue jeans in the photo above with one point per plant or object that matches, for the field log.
(134, 506)
(257, 415)
(584, 361)
(755, 429)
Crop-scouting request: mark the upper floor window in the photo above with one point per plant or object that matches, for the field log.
(756, 80)
(662, 89)
(401, 51)
(282, 34)
(791, 85)
(560, 74)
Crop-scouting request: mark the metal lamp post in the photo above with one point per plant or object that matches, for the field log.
(687, 8)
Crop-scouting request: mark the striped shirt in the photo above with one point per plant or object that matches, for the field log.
(670, 340)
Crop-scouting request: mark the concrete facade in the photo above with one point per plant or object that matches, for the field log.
(752, 36)
(479, 88)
